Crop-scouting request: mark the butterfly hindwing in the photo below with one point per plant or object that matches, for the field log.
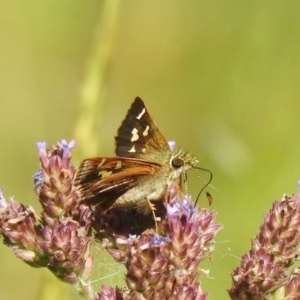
(138, 135)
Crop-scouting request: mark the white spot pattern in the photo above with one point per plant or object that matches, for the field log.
(141, 114)
(145, 132)
(135, 135)
(132, 150)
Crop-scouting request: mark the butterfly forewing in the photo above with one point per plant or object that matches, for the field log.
(138, 135)
(101, 181)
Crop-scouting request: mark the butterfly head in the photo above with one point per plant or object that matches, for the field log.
(180, 162)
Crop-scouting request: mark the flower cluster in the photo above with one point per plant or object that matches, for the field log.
(166, 266)
(59, 238)
(263, 272)
(161, 263)
(161, 255)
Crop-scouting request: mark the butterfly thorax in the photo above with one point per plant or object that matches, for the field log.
(155, 187)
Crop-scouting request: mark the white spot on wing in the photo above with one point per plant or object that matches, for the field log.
(102, 162)
(86, 164)
(135, 135)
(145, 132)
(132, 150)
(118, 165)
(104, 174)
(141, 114)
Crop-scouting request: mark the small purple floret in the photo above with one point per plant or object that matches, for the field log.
(160, 239)
(38, 179)
(42, 146)
(184, 206)
(3, 203)
(66, 148)
(172, 145)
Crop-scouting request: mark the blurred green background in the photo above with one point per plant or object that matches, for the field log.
(219, 77)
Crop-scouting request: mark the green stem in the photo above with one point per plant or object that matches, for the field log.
(93, 90)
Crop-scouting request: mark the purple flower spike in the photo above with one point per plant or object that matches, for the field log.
(59, 239)
(54, 181)
(166, 266)
(263, 273)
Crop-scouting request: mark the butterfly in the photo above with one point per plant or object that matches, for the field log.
(142, 171)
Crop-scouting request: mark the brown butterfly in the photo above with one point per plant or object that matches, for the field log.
(143, 170)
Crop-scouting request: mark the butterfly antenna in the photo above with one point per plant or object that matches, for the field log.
(205, 185)
(185, 182)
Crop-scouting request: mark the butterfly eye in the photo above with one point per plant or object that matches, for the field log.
(177, 162)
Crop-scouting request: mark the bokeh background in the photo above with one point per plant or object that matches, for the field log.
(219, 77)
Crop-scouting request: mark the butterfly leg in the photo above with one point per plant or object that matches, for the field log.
(151, 207)
(156, 196)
